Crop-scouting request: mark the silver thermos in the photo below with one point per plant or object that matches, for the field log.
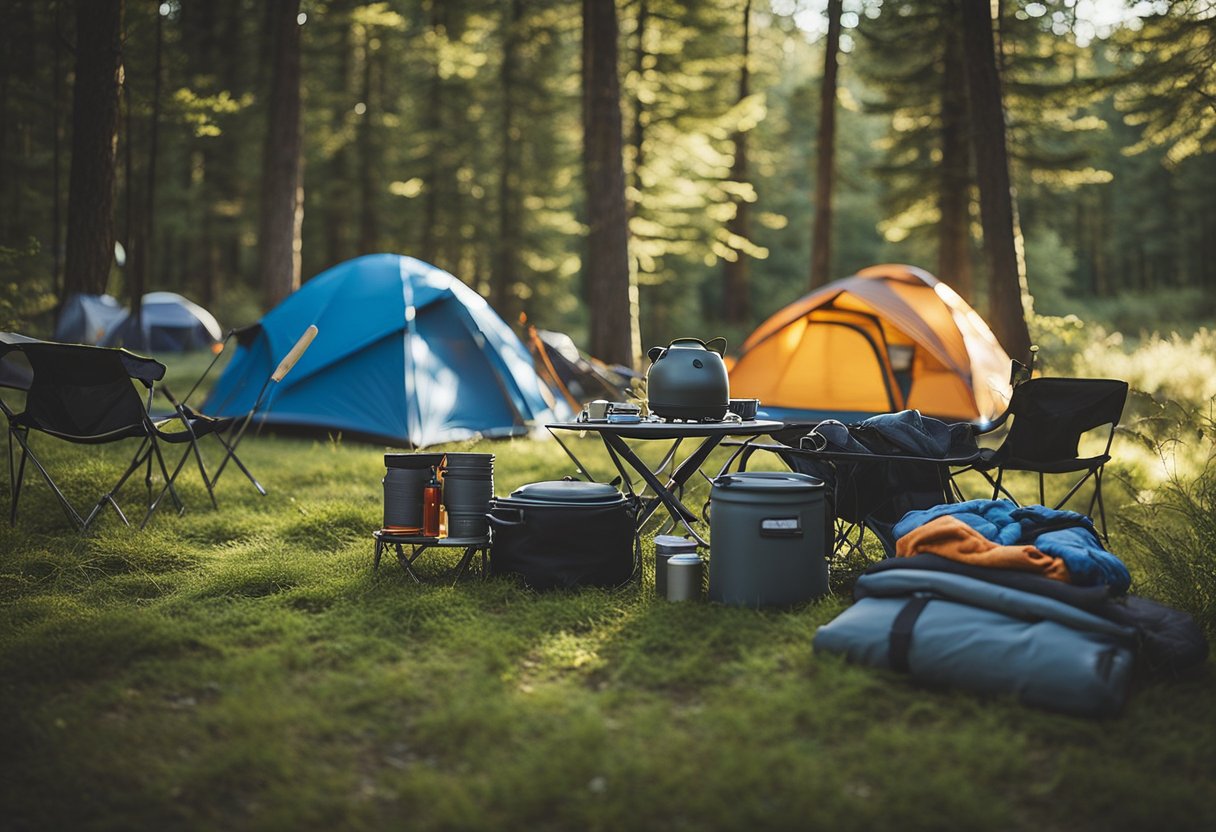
(685, 577)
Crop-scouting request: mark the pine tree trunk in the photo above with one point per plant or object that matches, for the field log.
(504, 272)
(56, 153)
(433, 125)
(90, 241)
(140, 258)
(369, 219)
(998, 210)
(736, 296)
(612, 293)
(825, 168)
(279, 225)
(954, 196)
(638, 137)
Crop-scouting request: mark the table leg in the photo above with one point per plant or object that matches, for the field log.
(407, 563)
(379, 549)
(663, 494)
(577, 462)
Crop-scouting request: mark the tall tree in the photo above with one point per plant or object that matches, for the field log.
(505, 267)
(998, 209)
(954, 188)
(825, 165)
(141, 241)
(736, 293)
(90, 241)
(281, 210)
(611, 289)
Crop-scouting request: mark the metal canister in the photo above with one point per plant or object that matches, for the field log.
(666, 545)
(684, 577)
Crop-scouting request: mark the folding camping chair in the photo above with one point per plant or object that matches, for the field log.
(1050, 415)
(84, 395)
(228, 431)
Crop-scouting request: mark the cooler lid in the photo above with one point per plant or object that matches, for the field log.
(567, 491)
(786, 482)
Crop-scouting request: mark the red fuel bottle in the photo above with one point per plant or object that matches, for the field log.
(431, 495)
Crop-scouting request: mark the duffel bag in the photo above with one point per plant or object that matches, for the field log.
(960, 632)
(558, 535)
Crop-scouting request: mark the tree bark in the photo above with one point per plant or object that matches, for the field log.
(505, 270)
(90, 240)
(737, 306)
(998, 208)
(825, 168)
(638, 137)
(56, 152)
(279, 225)
(611, 287)
(433, 124)
(954, 196)
(369, 215)
(140, 258)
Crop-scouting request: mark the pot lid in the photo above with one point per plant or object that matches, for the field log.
(412, 460)
(770, 481)
(567, 491)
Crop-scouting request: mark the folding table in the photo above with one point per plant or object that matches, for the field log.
(419, 544)
(708, 434)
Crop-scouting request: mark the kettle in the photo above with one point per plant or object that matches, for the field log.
(687, 380)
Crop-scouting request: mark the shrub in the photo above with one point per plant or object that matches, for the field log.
(1172, 529)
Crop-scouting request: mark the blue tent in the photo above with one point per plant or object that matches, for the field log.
(168, 322)
(88, 319)
(405, 354)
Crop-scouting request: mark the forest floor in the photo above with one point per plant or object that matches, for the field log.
(245, 668)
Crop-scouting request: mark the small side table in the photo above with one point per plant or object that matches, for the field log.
(418, 544)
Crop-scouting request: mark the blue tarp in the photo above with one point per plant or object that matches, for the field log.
(405, 353)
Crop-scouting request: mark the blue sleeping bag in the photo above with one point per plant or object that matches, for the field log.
(956, 631)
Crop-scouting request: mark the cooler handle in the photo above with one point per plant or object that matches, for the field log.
(781, 527)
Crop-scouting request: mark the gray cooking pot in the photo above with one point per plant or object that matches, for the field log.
(687, 380)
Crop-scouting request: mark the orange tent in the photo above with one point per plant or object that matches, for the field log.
(888, 338)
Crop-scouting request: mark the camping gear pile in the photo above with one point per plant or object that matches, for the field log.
(995, 598)
(438, 495)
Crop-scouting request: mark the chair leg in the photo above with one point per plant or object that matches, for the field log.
(111, 497)
(230, 453)
(202, 470)
(17, 482)
(68, 509)
(168, 489)
(1101, 505)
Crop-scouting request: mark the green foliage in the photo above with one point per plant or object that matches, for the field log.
(1169, 87)
(1172, 528)
(22, 299)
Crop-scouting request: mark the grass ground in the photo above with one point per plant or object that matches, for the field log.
(246, 669)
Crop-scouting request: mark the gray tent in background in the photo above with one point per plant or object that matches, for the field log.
(88, 319)
(168, 323)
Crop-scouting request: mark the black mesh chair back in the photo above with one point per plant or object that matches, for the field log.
(1050, 416)
(85, 394)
